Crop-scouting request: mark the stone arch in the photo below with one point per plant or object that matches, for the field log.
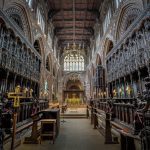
(54, 70)
(38, 44)
(18, 20)
(18, 14)
(4, 24)
(71, 85)
(98, 60)
(2, 21)
(48, 63)
(74, 78)
(108, 46)
(93, 70)
(128, 14)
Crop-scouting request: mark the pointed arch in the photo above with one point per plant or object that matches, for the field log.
(73, 80)
(93, 70)
(18, 14)
(74, 85)
(48, 63)
(54, 69)
(128, 14)
(37, 46)
(108, 46)
(98, 60)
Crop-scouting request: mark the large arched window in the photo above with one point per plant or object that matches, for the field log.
(74, 62)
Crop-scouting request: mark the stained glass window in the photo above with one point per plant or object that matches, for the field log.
(74, 62)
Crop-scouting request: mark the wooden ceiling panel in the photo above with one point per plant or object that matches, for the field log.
(61, 13)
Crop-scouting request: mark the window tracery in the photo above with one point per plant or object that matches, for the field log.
(40, 19)
(107, 20)
(29, 3)
(74, 62)
(117, 2)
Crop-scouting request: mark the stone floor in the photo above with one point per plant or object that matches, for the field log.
(75, 134)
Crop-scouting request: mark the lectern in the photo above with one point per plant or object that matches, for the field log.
(52, 114)
(48, 129)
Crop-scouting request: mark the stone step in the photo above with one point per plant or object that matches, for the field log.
(73, 116)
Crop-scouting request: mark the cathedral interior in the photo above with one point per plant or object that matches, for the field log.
(75, 74)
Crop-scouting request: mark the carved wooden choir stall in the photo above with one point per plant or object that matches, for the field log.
(128, 117)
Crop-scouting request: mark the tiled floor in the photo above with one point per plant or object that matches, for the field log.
(75, 134)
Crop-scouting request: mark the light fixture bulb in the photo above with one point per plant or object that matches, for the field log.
(120, 90)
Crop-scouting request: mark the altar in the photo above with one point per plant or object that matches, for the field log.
(74, 97)
(73, 101)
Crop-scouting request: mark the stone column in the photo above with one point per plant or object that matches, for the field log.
(116, 88)
(125, 93)
(119, 88)
(132, 89)
(139, 81)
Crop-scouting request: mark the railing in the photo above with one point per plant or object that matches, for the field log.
(26, 109)
(24, 114)
(145, 133)
(122, 113)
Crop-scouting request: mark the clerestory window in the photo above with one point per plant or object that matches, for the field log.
(29, 3)
(40, 20)
(117, 2)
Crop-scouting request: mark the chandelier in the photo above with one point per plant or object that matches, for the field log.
(74, 48)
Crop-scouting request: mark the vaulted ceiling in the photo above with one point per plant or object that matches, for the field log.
(73, 17)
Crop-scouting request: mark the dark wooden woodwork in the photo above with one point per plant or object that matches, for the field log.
(59, 13)
(19, 61)
(128, 62)
(53, 114)
(44, 114)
